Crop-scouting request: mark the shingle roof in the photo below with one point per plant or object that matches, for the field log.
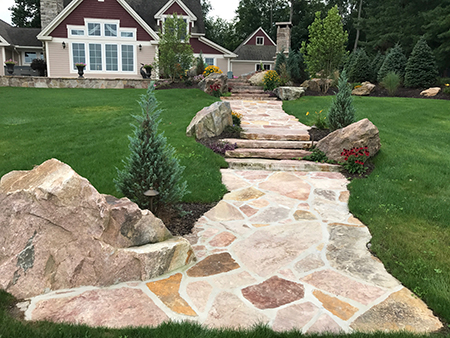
(20, 36)
(252, 52)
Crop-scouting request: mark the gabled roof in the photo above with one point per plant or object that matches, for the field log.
(17, 36)
(254, 33)
(254, 52)
(169, 3)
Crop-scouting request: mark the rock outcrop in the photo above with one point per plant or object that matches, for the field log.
(210, 121)
(359, 134)
(257, 79)
(365, 89)
(430, 92)
(289, 93)
(317, 85)
(58, 232)
(219, 81)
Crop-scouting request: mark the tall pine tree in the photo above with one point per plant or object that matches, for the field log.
(421, 69)
(395, 62)
(152, 163)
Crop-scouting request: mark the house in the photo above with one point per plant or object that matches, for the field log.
(259, 50)
(114, 37)
(20, 45)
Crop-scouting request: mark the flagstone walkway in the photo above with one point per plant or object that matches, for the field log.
(281, 249)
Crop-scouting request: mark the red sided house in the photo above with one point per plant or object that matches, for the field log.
(113, 37)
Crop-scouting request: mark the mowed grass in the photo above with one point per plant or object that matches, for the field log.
(406, 200)
(88, 129)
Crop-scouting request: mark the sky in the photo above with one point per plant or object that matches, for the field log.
(224, 9)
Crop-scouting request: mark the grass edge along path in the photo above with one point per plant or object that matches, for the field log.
(405, 201)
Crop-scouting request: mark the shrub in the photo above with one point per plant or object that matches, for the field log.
(284, 75)
(39, 65)
(271, 80)
(215, 89)
(446, 88)
(211, 70)
(421, 69)
(318, 155)
(375, 66)
(236, 118)
(391, 82)
(360, 68)
(200, 64)
(152, 163)
(319, 120)
(280, 60)
(354, 160)
(221, 147)
(296, 67)
(395, 61)
(342, 112)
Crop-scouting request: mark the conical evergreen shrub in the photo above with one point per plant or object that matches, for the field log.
(342, 112)
(375, 66)
(152, 163)
(395, 62)
(421, 69)
(280, 60)
(360, 68)
(293, 66)
(350, 61)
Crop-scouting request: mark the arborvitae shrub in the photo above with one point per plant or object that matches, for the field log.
(421, 69)
(200, 65)
(375, 66)
(360, 68)
(395, 62)
(292, 66)
(152, 163)
(281, 59)
(342, 112)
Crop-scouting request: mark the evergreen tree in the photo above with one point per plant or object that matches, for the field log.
(375, 66)
(152, 163)
(280, 60)
(293, 67)
(350, 61)
(360, 69)
(395, 61)
(26, 13)
(342, 112)
(200, 64)
(421, 69)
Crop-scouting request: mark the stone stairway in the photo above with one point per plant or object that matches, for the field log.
(242, 90)
(271, 140)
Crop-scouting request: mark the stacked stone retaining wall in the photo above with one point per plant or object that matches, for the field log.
(46, 82)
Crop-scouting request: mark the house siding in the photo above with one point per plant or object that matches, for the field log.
(94, 9)
(199, 46)
(175, 8)
(222, 64)
(260, 33)
(240, 68)
(59, 58)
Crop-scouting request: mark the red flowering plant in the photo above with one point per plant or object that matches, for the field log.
(215, 90)
(354, 159)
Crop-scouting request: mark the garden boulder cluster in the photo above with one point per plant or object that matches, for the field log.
(59, 232)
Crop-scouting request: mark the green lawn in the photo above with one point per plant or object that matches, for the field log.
(88, 129)
(406, 200)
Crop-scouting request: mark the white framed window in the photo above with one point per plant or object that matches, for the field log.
(127, 58)
(94, 29)
(259, 40)
(127, 34)
(29, 56)
(77, 32)
(209, 61)
(78, 54)
(110, 29)
(265, 67)
(111, 57)
(95, 56)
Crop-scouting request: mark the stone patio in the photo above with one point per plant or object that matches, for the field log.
(280, 249)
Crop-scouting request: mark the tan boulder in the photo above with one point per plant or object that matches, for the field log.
(430, 92)
(289, 93)
(317, 85)
(212, 80)
(365, 89)
(58, 232)
(257, 79)
(210, 121)
(359, 134)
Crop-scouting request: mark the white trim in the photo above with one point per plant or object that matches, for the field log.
(47, 58)
(253, 34)
(3, 41)
(28, 47)
(217, 47)
(160, 14)
(259, 37)
(252, 61)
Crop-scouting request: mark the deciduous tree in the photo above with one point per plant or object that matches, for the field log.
(26, 13)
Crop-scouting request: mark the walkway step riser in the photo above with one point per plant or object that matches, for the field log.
(283, 165)
(242, 143)
(276, 154)
(275, 137)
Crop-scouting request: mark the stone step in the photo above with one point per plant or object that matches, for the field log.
(249, 98)
(242, 87)
(247, 90)
(244, 143)
(277, 154)
(280, 134)
(280, 165)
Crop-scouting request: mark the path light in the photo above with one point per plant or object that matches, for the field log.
(151, 193)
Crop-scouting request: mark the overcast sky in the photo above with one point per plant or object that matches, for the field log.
(224, 9)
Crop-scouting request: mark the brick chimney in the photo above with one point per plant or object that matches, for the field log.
(283, 36)
(49, 10)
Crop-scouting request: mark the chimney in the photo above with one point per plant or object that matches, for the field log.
(49, 10)
(283, 36)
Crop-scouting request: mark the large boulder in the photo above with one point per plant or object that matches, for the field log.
(289, 93)
(215, 79)
(58, 232)
(430, 92)
(359, 134)
(257, 79)
(365, 89)
(317, 85)
(210, 121)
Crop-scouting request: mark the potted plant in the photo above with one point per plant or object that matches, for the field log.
(10, 66)
(148, 69)
(39, 65)
(80, 67)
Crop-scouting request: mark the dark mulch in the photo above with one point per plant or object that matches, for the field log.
(179, 85)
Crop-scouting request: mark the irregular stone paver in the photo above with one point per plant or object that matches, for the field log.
(273, 293)
(304, 234)
(213, 265)
(113, 308)
(401, 311)
(167, 291)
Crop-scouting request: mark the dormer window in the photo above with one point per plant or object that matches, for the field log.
(259, 40)
(110, 29)
(94, 29)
